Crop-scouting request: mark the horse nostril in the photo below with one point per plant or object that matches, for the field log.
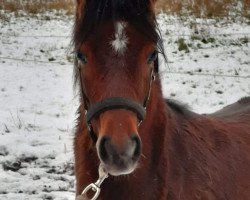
(137, 142)
(103, 148)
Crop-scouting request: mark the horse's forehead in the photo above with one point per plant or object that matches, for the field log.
(119, 38)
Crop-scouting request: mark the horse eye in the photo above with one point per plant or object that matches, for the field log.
(152, 57)
(80, 56)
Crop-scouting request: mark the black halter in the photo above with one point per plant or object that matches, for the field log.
(116, 103)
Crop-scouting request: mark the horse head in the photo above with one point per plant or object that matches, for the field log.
(116, 45)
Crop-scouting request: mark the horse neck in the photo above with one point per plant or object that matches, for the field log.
(168, 137)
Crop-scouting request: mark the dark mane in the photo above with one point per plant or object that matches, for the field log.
(244, 100)
(178, 107)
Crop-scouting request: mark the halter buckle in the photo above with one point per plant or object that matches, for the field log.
(153, 77)
(89, 126)
(139, 123)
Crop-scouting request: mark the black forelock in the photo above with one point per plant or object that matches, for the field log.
(137, 13)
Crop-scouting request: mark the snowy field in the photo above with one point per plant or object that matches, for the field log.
(208, 68)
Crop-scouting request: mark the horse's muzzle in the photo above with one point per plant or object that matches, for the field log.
(119, 159)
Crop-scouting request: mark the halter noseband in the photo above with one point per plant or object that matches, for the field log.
(116, 103)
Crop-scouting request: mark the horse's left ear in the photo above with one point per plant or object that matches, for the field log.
(153, 2)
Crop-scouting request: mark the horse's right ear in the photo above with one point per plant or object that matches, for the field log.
(153, 2)
(79, 1)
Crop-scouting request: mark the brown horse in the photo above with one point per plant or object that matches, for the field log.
(152, 148)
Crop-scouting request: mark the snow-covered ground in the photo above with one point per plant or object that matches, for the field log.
(37, 102)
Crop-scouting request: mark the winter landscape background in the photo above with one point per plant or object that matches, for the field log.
(208, 68)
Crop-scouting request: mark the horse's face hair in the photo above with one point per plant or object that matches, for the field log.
(117, 66)
(116, 39)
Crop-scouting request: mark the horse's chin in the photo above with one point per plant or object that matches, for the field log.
(117, 171)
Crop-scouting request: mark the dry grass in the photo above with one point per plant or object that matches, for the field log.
(206, 8)
(246, 8)
(37, 6)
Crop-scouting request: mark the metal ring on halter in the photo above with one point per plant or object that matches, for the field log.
(95, 187)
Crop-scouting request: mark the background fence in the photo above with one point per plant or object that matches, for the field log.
(182, 8)
(167, 71)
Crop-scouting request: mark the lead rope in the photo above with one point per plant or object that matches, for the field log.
(94, 187)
